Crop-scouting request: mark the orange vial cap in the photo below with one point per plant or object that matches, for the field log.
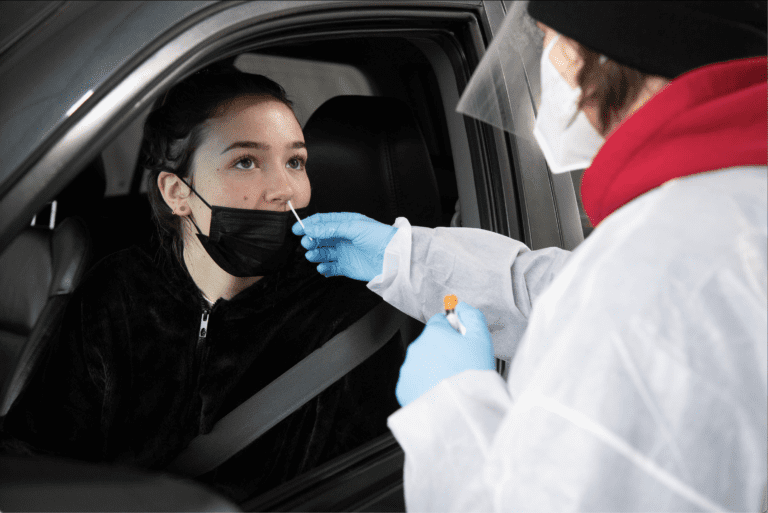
(450, 301)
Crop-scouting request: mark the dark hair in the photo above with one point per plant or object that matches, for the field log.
(173, 130)
(611, 86)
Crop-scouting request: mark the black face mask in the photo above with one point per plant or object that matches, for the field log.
(250, 242)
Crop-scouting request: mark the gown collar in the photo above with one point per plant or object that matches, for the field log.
(710, 118)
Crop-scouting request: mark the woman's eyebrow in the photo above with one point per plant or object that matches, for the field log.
(261, 146)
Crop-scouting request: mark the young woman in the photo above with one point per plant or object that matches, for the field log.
(158, 344)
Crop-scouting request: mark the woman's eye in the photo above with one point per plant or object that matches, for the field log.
(245, 163)
(295, 163)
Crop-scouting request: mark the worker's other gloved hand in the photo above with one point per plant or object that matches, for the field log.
(441, 352)
(345, 244)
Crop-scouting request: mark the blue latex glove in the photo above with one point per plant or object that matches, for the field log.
(441, 352)
(345, 244)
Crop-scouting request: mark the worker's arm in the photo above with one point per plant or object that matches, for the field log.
(496, 274)
(413, 268)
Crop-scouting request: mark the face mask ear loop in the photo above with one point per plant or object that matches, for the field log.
(191, 216)
(196, 194)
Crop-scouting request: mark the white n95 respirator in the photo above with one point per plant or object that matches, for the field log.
(565, 135)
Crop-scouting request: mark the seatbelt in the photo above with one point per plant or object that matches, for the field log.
(286, 394)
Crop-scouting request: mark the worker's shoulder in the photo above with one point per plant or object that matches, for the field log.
(671, 240)
(702, 212)
(732, 195)
(685, 232)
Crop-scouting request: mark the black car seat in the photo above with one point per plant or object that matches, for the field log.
(368, 155)
(84, 197)
(38, 272)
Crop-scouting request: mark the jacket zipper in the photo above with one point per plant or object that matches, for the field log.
(201, 334)
(200, 353)
(201, 348)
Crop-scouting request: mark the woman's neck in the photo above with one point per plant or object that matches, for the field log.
(211, 279)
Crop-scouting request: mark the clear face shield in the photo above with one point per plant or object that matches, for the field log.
(519, 72)
(509, 71)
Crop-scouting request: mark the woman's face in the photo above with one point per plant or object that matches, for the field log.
(252, 156)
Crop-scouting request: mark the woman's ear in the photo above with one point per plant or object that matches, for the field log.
(175, 193)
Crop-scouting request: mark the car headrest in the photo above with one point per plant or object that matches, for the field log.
(37, 265)
(38, 271)
(368, 155)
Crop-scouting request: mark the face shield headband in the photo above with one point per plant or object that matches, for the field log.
(246, 242)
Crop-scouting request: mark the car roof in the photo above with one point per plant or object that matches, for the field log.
(53, 67)
(18, 18)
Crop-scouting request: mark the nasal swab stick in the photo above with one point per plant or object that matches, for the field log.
(450, 303)
(299, 220)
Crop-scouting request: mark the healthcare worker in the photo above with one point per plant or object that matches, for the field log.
(638, 375)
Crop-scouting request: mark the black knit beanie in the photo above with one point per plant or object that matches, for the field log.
(660, 38)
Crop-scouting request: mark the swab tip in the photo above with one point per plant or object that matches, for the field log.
(298, 218)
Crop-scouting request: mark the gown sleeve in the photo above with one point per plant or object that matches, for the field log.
(498, 275)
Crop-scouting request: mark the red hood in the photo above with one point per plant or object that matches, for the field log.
(713, 117)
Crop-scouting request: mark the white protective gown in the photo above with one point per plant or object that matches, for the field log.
(640, 383)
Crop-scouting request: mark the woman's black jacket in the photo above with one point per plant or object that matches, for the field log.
(132, 379)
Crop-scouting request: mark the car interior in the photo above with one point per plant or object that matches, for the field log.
(382, 139)
(376, 146)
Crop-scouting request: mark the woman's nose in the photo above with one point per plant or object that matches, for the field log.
(278, 185)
